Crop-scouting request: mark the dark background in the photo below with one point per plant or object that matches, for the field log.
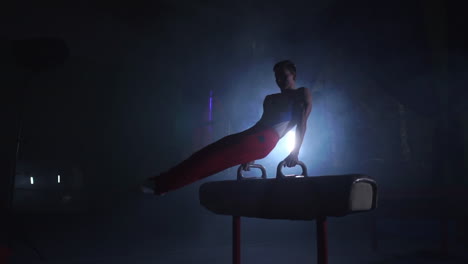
(131, 100)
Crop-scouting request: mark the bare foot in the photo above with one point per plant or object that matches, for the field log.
(148, 187)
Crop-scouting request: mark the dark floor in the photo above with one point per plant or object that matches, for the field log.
(156, 230)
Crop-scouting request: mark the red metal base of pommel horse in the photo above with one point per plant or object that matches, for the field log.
(302, 198)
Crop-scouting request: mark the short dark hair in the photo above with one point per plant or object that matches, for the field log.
(289, 65)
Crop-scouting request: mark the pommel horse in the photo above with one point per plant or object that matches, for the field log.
(289, 197)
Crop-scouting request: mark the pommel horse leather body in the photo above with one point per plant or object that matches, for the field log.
(293, 197)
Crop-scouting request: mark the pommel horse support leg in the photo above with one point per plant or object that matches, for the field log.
(289, 197)
(236, 231)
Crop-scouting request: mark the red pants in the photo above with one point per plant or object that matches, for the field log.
(229, 151)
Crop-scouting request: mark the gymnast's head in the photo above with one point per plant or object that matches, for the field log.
(285, 75)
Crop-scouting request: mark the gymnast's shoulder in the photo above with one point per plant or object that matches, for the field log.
(305, 93)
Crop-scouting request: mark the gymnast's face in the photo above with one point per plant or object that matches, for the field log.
(285, 79)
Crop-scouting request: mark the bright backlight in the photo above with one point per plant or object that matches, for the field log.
(290, 139)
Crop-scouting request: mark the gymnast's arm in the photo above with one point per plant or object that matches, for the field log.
(301, 127)
(267, 100)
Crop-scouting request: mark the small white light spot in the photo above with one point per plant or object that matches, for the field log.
(32, 180)
(58, 178)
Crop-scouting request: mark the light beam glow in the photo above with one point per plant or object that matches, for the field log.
(210, 113)
(31, 179)
(58, 178)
